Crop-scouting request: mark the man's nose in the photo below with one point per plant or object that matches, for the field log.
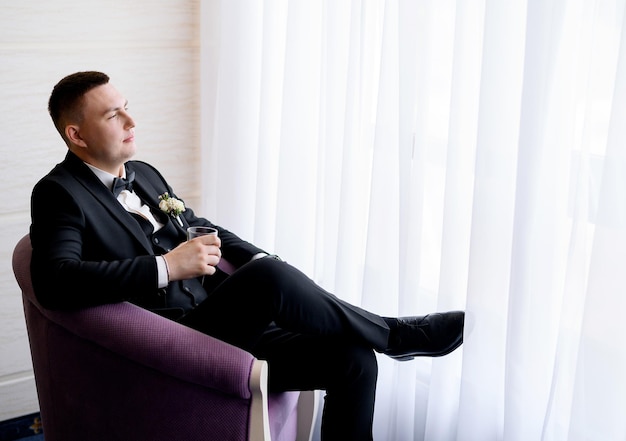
(130, 122)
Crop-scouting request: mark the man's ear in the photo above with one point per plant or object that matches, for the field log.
(73, 135)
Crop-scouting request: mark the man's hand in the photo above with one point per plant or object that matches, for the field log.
(194, 258)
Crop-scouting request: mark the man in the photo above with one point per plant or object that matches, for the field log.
(99, 239)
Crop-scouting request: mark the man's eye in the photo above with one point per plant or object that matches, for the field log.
(113, 116)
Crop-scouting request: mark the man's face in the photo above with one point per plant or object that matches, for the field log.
(105, 136)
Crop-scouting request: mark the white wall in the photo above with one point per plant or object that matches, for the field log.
(151, 51)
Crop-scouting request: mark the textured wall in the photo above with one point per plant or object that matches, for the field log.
(151, 51)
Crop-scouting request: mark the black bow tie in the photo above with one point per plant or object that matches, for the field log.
(120, 184)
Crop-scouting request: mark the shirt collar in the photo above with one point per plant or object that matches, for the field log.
(106, 177)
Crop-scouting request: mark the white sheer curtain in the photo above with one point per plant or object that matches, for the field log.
(413, 156)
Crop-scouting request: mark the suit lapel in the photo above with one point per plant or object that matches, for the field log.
(149, 194)
(105, 197)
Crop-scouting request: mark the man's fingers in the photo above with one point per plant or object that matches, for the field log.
(209, 239)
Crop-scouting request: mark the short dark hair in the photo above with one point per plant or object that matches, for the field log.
(65, 102)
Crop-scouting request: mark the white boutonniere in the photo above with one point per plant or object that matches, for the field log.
(172, 206)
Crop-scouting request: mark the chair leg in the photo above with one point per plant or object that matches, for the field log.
(308, 406)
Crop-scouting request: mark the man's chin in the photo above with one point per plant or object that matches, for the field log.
(129, 151)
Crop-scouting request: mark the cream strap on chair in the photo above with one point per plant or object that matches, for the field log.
(259, 413)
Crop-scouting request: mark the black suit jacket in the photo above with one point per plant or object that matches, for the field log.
(88, 250)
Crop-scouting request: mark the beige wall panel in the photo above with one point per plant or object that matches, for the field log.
(13, 340)
(159, 84)
(76, 23)
(17, 387)
(151, 51)
(18, 396)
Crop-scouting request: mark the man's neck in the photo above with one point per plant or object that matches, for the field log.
(115, 170)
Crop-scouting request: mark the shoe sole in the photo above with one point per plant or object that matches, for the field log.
(451, 348)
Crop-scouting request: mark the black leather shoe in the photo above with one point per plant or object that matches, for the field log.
(431, 335)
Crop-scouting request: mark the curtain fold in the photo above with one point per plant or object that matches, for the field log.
(435, 155)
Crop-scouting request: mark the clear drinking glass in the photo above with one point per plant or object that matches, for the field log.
(200, 231)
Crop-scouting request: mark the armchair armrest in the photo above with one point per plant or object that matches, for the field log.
(164, 345)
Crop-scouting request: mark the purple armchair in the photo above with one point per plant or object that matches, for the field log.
(119, 372)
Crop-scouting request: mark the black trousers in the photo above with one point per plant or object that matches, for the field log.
(310, 338)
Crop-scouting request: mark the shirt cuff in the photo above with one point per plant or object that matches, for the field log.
(162, 272)
(258, 256)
